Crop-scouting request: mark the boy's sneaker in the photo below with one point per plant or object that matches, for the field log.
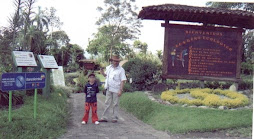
(96, 122)
(83, 122)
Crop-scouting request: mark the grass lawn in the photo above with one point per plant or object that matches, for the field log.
(181, 120)
(51, 122)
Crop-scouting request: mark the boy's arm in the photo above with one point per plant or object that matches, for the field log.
(85, 89)
(97, 89)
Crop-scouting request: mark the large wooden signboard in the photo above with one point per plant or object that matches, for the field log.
(203, 53)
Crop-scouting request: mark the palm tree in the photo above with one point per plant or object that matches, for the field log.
(38, 33)
(41, 20)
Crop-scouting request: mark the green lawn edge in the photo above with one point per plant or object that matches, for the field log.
(176, 119)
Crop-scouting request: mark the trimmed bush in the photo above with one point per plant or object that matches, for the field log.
(144, 73)
(246, 68)
(128, 88)
(243, 85)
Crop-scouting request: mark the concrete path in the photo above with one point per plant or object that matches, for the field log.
(127, 127)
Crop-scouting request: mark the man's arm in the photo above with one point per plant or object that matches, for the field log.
(102, 72)
(123, 79)
(121, 88)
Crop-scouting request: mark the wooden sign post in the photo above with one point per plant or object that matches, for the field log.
(202, 53)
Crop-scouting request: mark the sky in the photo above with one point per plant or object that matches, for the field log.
(79, 17)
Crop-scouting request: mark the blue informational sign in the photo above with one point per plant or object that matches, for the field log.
(22, 81)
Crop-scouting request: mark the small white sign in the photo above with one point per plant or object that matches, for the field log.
(58, 76)
(24, 59)
(48, 61)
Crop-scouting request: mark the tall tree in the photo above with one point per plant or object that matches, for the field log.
(54, 21)
(73, 54)
(41, 20)
(57, 41)
(232, 5)
(159, 54)
(37, 33)
(27, 18)
(142, 46)
(120, 23)
(6, 36)
(15, 20)
(103, 41)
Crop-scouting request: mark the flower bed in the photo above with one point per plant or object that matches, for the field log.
(207, 97)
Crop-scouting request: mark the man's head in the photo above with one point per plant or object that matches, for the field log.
(91, 77)
(115, 60)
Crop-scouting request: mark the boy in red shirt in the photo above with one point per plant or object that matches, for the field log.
(91, 89)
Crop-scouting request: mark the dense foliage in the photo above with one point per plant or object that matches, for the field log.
(143, 73)
(29, 30)
(118, 25)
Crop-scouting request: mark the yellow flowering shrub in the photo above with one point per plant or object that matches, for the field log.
(208, 97)
(212, 100)
(197, 102)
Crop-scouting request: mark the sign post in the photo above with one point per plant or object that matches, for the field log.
(22, 81)
(35, 103)
(10, 106)
(46, 90)
(48, 62)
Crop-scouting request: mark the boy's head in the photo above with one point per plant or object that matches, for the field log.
(91, 77)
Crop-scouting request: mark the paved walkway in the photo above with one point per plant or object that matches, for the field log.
(127, 127)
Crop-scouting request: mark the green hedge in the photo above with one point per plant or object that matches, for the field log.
(144, 73)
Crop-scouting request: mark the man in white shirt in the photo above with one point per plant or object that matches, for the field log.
(115, 79)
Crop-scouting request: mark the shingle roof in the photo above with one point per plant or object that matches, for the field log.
(237, 18)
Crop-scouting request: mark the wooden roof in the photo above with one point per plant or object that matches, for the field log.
(207, 15)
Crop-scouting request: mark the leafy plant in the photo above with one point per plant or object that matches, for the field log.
(149, 76)
(17, 98)
(246, 68)
(128, 88)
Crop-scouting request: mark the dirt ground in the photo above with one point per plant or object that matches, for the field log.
(127, 127)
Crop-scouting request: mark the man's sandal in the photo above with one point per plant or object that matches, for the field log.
(103, 120)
